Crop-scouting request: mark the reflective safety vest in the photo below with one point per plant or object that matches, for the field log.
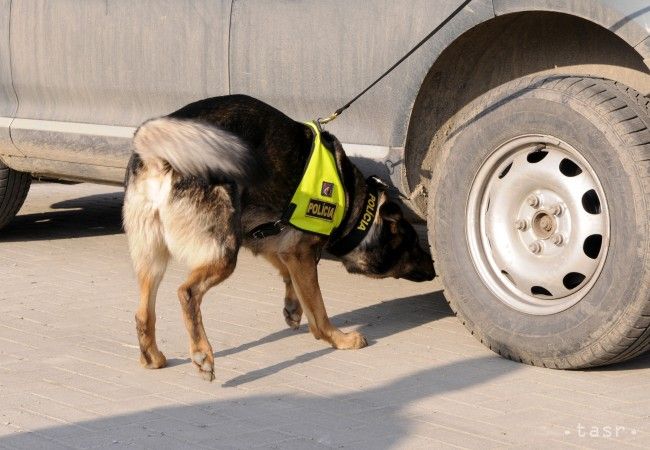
(318, 204)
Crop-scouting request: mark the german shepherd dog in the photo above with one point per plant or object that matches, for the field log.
(206, 175)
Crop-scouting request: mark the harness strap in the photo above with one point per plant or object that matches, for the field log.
(345, 244)
(267, 229)
(338, 246)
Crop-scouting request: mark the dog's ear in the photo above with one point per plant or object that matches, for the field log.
(392, 214)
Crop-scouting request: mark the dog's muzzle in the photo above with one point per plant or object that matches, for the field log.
(420, 275)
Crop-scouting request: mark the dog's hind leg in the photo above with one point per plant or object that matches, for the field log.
(202, 229)
(302, 266)
(150, 257)
(191, 295)
(292, 310)
(145, 318)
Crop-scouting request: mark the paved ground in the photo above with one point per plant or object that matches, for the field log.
(69, 372)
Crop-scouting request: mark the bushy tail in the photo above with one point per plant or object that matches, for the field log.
(193, 148)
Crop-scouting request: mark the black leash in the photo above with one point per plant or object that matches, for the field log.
(401, 60)
(347, 243)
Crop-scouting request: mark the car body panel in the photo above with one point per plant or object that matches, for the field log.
(112, 63)
(629, 19)
(116, 62)
(8, 102)
(305, 59)
(87, 73)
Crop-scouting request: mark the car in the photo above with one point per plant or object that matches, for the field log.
(519, 132)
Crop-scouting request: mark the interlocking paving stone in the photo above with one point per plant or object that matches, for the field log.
(70, 377)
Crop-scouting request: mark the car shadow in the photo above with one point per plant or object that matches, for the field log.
(93, 215)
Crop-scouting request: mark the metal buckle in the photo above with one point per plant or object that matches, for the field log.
(381, 184)
(275, 228)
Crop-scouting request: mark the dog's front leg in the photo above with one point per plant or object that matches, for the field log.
(302, 267)
(292, 310)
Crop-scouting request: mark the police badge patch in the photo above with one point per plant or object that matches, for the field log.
(327, 189)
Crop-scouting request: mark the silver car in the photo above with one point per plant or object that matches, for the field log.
(519, 132)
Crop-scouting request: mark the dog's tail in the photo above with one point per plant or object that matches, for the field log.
(193, 148)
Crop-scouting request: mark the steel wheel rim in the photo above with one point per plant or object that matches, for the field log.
(537, 224)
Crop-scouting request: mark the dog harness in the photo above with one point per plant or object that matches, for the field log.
(318, 204)
(342, 245)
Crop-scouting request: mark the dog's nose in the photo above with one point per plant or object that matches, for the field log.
(420, 275)
(426, 267)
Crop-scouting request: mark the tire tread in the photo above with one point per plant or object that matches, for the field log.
(14, 186)
(629, 111)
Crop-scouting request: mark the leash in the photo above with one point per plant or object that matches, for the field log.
(346, 243)
(336, 113)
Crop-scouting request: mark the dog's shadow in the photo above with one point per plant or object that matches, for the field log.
(375, 322)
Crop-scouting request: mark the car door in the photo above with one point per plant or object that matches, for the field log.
(310, 57)
(87, 72)
(8, 103)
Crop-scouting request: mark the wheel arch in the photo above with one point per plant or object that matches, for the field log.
(513, 44)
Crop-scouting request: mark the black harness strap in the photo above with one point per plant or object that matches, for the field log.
(267, 229)
(338, 245)
(343, 245)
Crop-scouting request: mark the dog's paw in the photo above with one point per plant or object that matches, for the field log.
(314, 331)
(153, 359)
(205, 364)
(349, 341)
(292, 317)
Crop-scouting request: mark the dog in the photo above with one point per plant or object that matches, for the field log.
(203, 178)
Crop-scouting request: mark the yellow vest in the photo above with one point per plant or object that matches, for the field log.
(319, 200)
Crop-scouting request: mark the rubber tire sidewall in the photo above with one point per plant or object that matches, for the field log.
(568, 337)
(13, 193)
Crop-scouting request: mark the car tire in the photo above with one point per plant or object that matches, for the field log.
(503, 254)
(14, 186)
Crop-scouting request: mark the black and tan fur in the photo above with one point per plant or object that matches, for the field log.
(203, 177)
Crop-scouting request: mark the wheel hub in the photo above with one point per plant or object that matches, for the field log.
(544, 224)
(538, 224)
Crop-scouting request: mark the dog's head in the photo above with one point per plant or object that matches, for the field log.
(391, 248)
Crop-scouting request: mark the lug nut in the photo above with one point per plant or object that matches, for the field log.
(558, 239)
(533, 201)
(535, 247)
(521, 224)
(557, 210)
